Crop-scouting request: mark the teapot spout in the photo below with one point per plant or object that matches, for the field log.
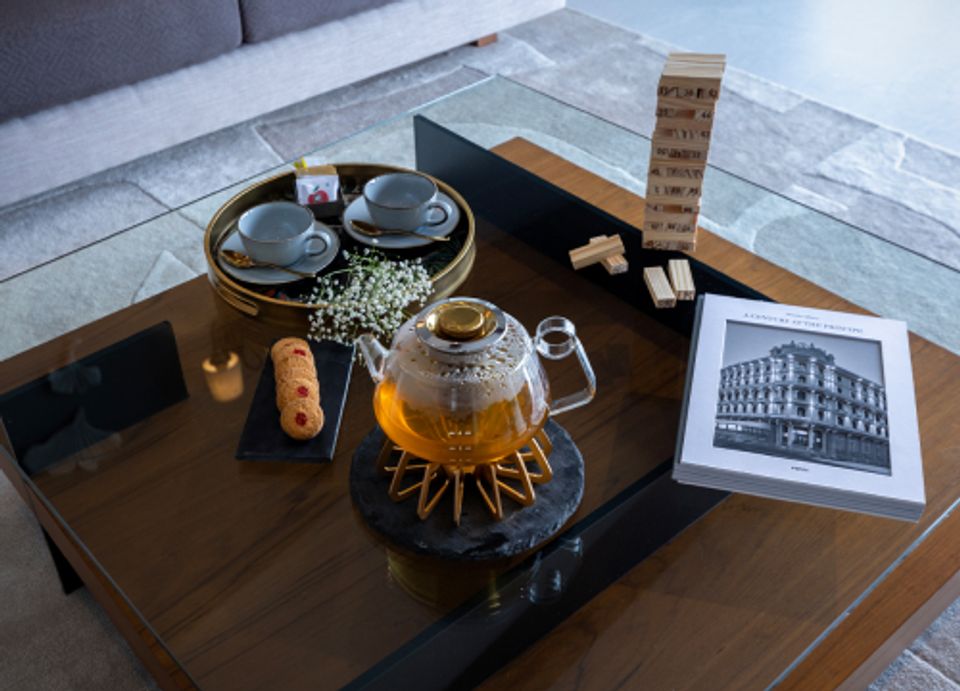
(374, 354)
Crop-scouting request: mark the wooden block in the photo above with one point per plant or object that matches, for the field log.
(698, 57)
(615, 264)
(681, 151)
(673, 207)
(681, 103)
(681, 279)
(682, 204)
(686, 139)
(684, 123)
(659, 287)
(702, 113)
(672, 194)
(666, 216)
(683, 180)
(698, 91)
(681, 236)
(593, 252)
(678, 228)
(671, 245)
(706, 81)
(692, 72)
(689, 138)
(695, 65)
(667, 167)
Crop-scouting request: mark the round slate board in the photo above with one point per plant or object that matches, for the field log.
(479, 536)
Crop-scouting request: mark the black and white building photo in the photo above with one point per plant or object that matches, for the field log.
(805, 396)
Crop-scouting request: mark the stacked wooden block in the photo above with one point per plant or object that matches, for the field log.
(688, 91)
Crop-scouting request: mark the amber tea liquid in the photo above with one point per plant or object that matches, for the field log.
(442, 436)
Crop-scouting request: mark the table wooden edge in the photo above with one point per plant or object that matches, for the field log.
(167, 673)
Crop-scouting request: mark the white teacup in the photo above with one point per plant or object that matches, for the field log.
(405, 201)
(279, 233)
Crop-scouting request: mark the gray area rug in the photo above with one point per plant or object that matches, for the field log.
(887, 183)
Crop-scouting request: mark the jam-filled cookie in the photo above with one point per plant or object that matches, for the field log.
(284, 344)
(297, 388)
(301, 419)
(295, 366)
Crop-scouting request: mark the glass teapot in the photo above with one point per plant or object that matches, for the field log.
(462, 382)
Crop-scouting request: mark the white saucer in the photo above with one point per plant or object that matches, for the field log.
(358, 210)
(265, 276)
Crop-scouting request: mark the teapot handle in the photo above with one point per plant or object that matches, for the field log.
(556, 338)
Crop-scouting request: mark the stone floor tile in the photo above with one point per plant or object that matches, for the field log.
(302, 134)
(202, 166)
(166, 272)
(931, 163)
(939, 645)
(508, 56)
(493, 115)
(102, 279)
(744, 213)
(774, 149)
(200, 212)
(767, 94)
(908, 673)
(617, 81)
(567, 35)
(872, 164)
(55, 224)
(919, 232)
(867, 271)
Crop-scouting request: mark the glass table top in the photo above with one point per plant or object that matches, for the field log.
(872, 272)
(105, 277)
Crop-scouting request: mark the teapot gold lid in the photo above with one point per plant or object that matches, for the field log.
(460, 325)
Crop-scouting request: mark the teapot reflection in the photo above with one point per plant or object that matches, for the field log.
(540, 579)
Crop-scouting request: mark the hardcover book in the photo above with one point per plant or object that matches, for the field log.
(801, 404)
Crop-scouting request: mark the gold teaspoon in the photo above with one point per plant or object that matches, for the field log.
(243, 261)
(375, 231)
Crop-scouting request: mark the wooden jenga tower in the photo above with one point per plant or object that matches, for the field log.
(688, 91)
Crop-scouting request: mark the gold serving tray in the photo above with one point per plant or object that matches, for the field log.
(448, 272)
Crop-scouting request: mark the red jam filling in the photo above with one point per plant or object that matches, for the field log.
(303, 391)
(300, 351)
(301, 419)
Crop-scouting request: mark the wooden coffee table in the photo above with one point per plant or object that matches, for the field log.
(234, 575)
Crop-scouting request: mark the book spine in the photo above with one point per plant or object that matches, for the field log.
(694, 342)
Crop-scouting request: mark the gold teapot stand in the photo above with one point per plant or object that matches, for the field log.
(509, 476)
(506, 509)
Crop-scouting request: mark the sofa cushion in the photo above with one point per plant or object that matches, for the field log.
(55, 51)
(266, 19)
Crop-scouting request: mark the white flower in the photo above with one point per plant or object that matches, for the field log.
(369, 296)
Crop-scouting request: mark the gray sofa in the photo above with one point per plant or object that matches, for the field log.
(88, 85)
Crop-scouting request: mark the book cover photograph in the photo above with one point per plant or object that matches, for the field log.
(801, 404)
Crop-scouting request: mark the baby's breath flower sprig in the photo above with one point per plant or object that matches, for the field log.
(370, 295)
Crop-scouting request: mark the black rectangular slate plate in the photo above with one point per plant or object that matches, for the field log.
(264, 440)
